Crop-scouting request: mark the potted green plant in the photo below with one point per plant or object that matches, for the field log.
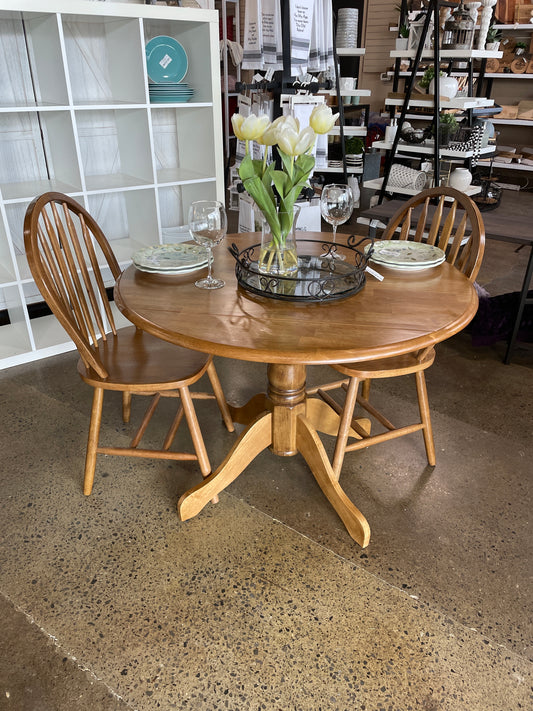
(519, 48)
(402, 41)
(428, 77)
(493, 39)
(354, 145)
(448, 126)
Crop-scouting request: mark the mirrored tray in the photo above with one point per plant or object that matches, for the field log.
(320, 277)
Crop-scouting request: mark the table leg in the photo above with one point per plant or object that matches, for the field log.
(253, 440)
(523, 301)
(312, 450)
(288, 429)
(249, 412)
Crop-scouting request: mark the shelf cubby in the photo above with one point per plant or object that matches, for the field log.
(15, 224)
(128, 219)
(115, 148)
(7, 269)
(194, 37)
(178, 159)
(31, 71)
(14, 335)
(37, 153)
(105, 60)
(49, 334)
(174, 203)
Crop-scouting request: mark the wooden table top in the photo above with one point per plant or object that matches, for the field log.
(400, 314)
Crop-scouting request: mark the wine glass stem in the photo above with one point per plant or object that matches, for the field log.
(334, 226)
(209, 260)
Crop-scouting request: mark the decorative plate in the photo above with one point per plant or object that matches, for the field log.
(404, 253)
(408, 267)
(171, 272)
(171, 258)
(166, 60)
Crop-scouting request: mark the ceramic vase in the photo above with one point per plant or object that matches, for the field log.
(460, 179)
(278, 257)
(448, 87)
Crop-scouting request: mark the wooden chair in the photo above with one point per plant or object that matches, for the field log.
(66, 251)
(454, 225)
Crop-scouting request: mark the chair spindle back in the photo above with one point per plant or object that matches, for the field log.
(62, 241)
(454, 225)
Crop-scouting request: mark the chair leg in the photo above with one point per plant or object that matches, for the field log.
(126, 407)
(425, 416)
(196, 433)
(219, 395)
(92, 442)
(145, 421)
(344, 426)
(365, 388)
(173, 428)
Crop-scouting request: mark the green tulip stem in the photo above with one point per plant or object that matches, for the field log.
(272, 253)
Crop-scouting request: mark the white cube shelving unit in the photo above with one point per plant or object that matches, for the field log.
(75, 117)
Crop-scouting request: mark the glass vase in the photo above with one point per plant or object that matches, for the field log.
(278, 258)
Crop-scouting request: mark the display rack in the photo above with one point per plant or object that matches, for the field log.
(77, 118)
(412, 100)
(499, 83)
(233, 6)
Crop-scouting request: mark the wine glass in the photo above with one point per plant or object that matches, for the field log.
(208, 224)
(336, 207)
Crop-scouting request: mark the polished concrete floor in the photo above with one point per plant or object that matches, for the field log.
(263, 601)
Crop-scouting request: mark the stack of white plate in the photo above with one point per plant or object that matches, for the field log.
(169, 93)
(347, 25)
(171, 259)
(406, 255)
(354, 161)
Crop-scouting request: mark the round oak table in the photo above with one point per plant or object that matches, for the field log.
(403, 313)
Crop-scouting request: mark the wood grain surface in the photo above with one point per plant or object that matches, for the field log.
(404, 312)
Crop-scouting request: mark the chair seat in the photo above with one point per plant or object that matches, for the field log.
(138, 361)
(386, 367)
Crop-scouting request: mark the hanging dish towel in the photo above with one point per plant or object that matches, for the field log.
(235, 52)
(315, 46)
(321, 47)
(272, 37)
(253, 57)
(301, 12)
(326, 56)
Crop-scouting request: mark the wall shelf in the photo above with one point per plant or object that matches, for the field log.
(377, 184)
(461, 54)
(349, 131)
(350, 51)
(462, 103)
(428, 147)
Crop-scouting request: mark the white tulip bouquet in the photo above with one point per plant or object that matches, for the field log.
(275, 191)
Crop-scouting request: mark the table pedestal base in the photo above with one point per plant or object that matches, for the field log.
(287, 423)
